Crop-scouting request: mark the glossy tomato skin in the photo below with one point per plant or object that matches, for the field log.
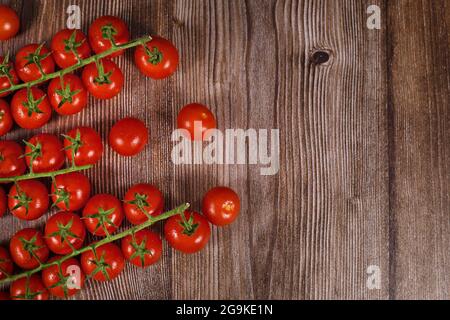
(103, 90)
(37, 197)
(51, 156)
(192, 113)
(9, 23)
(3, 202)
(221, 206)
(29, 71)
(51, 276)
(158, 60)
(128, 136)
(176, 235)
(26, 117)
(11, 161)
(6, 263)
(6, 120)
(99, 43)
(145, 195)
(21, 256)
(112, 258)
(67, 102)
(63, 55)
(73, 232)
(74, 186)
(4, 81)
(36, 289)
(103, 203)
(144, 250)
(90, 150)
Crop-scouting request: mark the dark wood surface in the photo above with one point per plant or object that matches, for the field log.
(364, 144)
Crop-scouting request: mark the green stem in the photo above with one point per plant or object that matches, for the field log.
(80, 64)
(95, 245)
(50, 174)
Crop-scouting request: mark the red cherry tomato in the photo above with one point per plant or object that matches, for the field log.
(12, 163)
(7, 75)
(158, 59)
(68, 46)
(6, 120)
(61, 281)
(64, 232)
(104, 81)
(67, 96)
(106, 264)
(28, 199)
(193, 114)
(3, 202)
(221, 206)
(6, 264)
(85, 144)
(31, 109)
(44, 153)
(143, 197)
(28, 289)
(71, 191)
(27, 248)
(142, 249)
(106, 29)
(103, 214)
(9, 22)
(187, 235)
(27, 59)
(128, 136)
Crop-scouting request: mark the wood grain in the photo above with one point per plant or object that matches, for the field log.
(364, 153)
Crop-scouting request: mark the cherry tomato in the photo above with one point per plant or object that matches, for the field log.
(27, 59)
(142, 249)
(6, 120)
(143, 197)
(11, 161)
(64, 232)
(57, 279)
(193, 114)
(103, 212)
(28, 199)
(104, 81)
(3, 202)
(9, 22)
(31, 109)
(29, 289)
(158, 59)
(188, 235)
(7, 75)
(67, 96)
(4, 296)
(6, 264)
(221, 206)
(71, 191)
(27, 248)
(44, 153)
(86, 145)
(106, 29)
(128, 136)
(106, 264)
(68, 46)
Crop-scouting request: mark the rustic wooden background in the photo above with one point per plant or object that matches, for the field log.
(364, 177)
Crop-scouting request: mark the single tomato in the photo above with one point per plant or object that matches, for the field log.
(71, 191)
(6, 264)
(103, 214)
(57, 279)
(69, 46)
(196, 119)
(142, 201)
(64, 232)
(221, 206)
(83, 146)
(103, 80)
(12, 163)
(188, 232)
(6, 120)
(28, 199)
(30, 288)
(128, 136)
(8, 75)
(28, 248)
(106, 263)
(44, 153)
(30, 108)
(143, 248)
(9, 22)
(67, 95)
(107, 30)
(34, 61)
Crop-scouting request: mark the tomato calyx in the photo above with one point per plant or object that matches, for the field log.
(101, 265)
(36, 152)
(189, 227)
(155, 56)
(5, 69)
(32, 105)
(75, 144)
(62, 282)
(102, 77)
(140, 250)
(36, 58)
(64, 233)
(23, 200)
(140, 201)
(30, 246)
(103, 219)
(66, 93)
(108, 32)
(61, 196)
(71, 45)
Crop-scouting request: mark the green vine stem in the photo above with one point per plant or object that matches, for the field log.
(50, 174)
(80, 64)
(93, 246)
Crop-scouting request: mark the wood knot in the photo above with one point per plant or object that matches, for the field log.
(320, 57)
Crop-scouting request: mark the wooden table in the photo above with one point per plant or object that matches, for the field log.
(364, 144)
